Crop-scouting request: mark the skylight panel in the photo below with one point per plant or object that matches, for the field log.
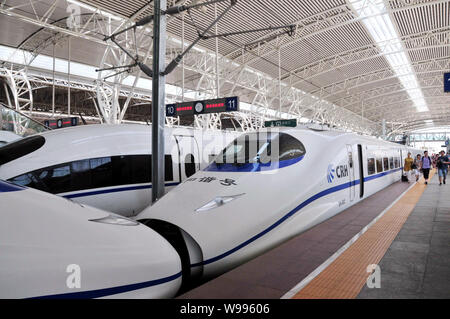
(377, 21)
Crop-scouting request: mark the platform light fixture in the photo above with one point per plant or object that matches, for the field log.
(376, 18)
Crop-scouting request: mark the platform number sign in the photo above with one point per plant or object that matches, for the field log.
(171, 110)
(447, 82)
(228, 104)
(232, 104)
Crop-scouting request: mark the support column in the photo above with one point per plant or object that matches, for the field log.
(182, 62)
(68, 75)
(279, 81)
(53, 84)
(217, 54)
(158, 99)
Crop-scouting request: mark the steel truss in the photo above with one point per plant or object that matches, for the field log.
(258, 88)
(438, 38)
(234, 74)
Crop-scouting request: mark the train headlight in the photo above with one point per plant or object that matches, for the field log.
(115, 220)
(217, 202)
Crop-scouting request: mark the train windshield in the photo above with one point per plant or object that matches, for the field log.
(252, 152)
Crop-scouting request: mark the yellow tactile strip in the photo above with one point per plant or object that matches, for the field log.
(345, 277)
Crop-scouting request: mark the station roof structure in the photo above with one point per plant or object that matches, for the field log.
(346, 63)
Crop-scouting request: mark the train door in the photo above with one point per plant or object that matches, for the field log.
(188, 156)
(401, 160)
(351, 172)
(361, 171)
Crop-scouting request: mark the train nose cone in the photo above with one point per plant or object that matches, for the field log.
(53, 248)
(153, 267)
(138, 263)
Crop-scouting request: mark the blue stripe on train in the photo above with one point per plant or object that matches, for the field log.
(113, 190)
(6, 187)
(291, 213)
(251, 167)
(110, 291)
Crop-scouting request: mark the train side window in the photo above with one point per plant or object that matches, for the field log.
(386, 163)
(168, 168)
(391, 162)
(121, 167)
(27, 180)
(141, 170)
(189, 165)
(397, 162)
(81, 175)
(101, 172)
(57, 179)
(371, 166)
(379, 165)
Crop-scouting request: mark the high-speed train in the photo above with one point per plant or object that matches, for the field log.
(8, 137)
(52, 247)
(107, 166)
(265, 188)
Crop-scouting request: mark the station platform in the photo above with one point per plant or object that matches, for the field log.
(404, 229)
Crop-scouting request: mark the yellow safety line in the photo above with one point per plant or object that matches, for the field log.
(346, 276)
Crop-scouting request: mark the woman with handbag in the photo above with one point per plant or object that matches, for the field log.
(407, 167)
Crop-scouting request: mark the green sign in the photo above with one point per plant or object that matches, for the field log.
(288, 123)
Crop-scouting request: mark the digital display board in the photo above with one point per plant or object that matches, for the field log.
(447, 82)
(60, 123)
(228, 104)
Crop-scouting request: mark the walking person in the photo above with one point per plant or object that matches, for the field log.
(442, 165)
(426, 166)
(416, 166)
(407, 167)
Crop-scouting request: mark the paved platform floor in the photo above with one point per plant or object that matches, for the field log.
(417, 264)
(276, 272)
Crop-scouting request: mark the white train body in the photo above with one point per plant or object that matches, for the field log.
(107, 166)
(7, 137)
(234, 212)
(54, 248)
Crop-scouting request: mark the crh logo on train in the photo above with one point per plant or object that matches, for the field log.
(330, 173)
(340, 171)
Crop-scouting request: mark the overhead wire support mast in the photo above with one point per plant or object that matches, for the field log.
(158, 101)
(178, 9)
(172, 65)
(170, 11)
(144, 68)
